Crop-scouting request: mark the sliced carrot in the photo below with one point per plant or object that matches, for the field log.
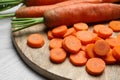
(85, 36)
(101, 47)
(50, 35)
(116, 52)
(59, 31)
(55, 43)
(71, 44)
(35, 40)
(109, 59)
(115, 25)
(105, 32)
(113, 42)
(57, 55)
(80, 26)
(83, 47)
(78, 59)
(97, 38)
(95, 66)
(70, 31)
(89, 51)
(97, 27)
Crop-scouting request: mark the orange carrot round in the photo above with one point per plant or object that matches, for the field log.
(78, 59)
(70, 31)
(71, 44)
(50, 35)
(89, 51)
(35, 40)
(109, 58)
(115, 25)
(80, 26)
(84, 36)
(118, 36)
(97, 27)
(95, 66)
(57, 55)
(116, 52)
(59, 31)
(55, 43)
(105, 32)
(113, 42)
(101, 48)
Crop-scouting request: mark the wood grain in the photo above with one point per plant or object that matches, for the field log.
(38, 59)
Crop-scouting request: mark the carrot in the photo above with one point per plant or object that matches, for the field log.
(116, 52)
(38, 11)
(115, 25)
(83, 47)
(101, 48)
(57, 55)
(49, 35)
(113, 42)
(70, 31)
(71, 44)
(81, 13)
(109, 59)
(85, 37)
(70, 14)
(78, 59)
(59, 31)
(95, 66)
(35, 40)
(89, 50)
(80, 26)
(105, 32)
(41, 2)
(55, 43)
(97, 27)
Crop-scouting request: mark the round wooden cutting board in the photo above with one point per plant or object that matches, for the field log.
(38, 59)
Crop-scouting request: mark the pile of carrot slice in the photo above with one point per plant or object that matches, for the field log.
(94, 49)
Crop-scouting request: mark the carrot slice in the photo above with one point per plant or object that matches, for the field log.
(50, 35)
(95, 66)
(85, 36)
(113, 42)
(35, 40)
(59, 31)
(101, 48)
(109, 59)
(71, 44)
(115, 25)
(116, 52)
(80, 26)
(70, 31)
(97, 27)
(105, 32)
(55, 43)
(83, 47)
(57, 55)
(78, 59)
(89, 51)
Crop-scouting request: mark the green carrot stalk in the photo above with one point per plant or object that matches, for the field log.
(7, 15)
(7, 4)
(22, 23)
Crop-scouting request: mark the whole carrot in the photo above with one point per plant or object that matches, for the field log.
(70, 14)
(38, 11)
(87, 13)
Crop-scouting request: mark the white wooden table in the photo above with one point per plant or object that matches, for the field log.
(11, 65)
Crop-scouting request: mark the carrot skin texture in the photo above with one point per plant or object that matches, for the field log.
(35, 10)
(87, 13)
